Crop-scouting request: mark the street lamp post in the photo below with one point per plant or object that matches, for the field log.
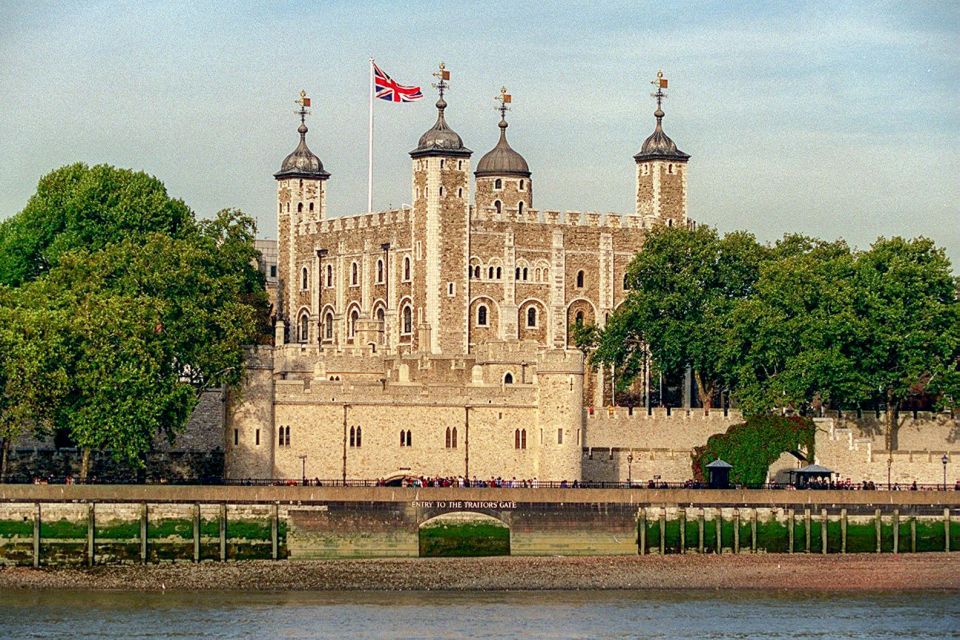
(630, 470)
(944, 460)
(303, 469)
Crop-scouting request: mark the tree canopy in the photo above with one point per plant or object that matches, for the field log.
(802, 324)
(120, 314)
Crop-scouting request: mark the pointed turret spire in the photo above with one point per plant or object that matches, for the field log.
(440, 138)
(302, 163)
(659, 144)
(502, 160)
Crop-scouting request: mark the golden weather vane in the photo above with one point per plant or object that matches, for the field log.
(442, 75)
(504, 99)
(304, 103)
(660, 83)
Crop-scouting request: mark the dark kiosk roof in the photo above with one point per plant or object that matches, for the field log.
(302, 163)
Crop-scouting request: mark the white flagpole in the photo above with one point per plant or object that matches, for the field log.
(370, 147)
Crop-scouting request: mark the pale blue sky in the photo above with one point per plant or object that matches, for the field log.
(833, 119)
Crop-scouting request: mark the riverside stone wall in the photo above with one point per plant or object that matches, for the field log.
(48, 525)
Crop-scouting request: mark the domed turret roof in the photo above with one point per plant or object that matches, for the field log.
(440, 139)
(502, 160)
(659, 146)
(302, 163)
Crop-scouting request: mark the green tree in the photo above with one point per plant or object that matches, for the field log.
(908, 300)
(150, 309)
(795, 340)
(33, 371)
(683, 288)
(78, 206)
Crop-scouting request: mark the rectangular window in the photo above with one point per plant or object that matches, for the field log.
(236, 437)
(257, 437)
(419, 250)
(559, 436)
(273, 271)
(451, 289)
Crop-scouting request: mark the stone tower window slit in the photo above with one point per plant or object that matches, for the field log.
(498, 206)
(482, 315)
(380, 271)
(304, 278)
(580, 279)
(508, 378)
(354, 274)
(498, 185)
(329, 276)
(520, 207)
(532, 317)
(299, 207)
(406, 268)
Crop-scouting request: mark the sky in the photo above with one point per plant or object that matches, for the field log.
(824, 118)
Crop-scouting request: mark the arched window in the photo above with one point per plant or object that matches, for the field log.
(379, 270)
(460, 193)
(476, 272)
(508, 378)
(304, 328)
(626, 282)
(354, 316)
(328, 326)
(498, 206)
(353, 437)
(499, 273)
(406, 268)
(441, 163)
(447, 441)
(329, 275)
(359, 436)
(354, 274)
(670, 222)
(538, 275)
(380, 315)
(520, 207)
(523, 438)
(498, 184)
(459, 165)
(454, 437)
(516, 438)
(579, 279)
(304, 278)
(522, 185)
(441, 188)
(546, 275)
(490, 272)
(579, 319)
(409, 438)
(532, 317)
(517, 274)
(482, 315)
(311, 207)
(287, 430)
(299, 207)
(280, 436)
(525, 274)
(403, 438)
(407, 320)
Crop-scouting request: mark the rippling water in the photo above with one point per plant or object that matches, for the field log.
(564, 614)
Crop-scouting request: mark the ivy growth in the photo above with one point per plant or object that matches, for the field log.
(752, 446)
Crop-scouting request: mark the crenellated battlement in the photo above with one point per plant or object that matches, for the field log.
(590, 219)
(391, 217)
(718, 416)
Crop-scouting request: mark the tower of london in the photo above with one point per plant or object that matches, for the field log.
(438, 338)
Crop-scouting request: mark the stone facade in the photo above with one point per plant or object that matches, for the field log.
(436, 339)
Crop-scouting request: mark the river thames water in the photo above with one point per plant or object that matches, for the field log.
(559, 614)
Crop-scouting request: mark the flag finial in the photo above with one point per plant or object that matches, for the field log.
(503, 99)
(304, 102)
(660, 83)
(442, 75)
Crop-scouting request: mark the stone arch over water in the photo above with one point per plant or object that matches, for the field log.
(464, 534)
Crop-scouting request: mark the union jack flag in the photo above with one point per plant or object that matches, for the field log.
(388, 89)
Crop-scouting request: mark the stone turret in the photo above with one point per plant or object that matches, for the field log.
(661, 172)
(441, 191)
(503, 176)
(301, 197)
